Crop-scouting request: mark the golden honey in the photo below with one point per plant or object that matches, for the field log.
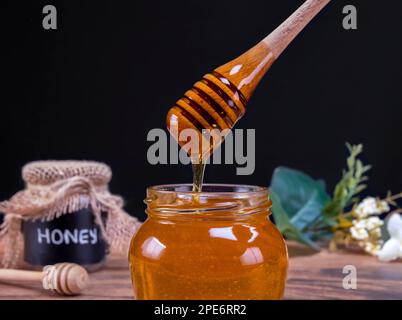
(214, 244)
(215, 241)
(219, 99)
(198, 176)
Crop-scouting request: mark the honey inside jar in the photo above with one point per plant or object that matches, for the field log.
(214, 244)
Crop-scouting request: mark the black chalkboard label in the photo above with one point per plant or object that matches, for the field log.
(73, 237)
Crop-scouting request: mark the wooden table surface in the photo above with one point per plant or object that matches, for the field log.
(311, 276)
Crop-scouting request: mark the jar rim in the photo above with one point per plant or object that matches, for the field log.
(216, 201)
(228, 189)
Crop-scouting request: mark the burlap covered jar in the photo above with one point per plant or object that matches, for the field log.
(55, 190)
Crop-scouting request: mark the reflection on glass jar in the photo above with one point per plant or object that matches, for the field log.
(217, 244)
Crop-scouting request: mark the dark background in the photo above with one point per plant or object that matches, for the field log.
(93, 88)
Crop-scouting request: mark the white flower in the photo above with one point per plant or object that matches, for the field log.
(392, 249)
(366, 207)
(358, 233)
(376, 232)
(394, 226)
(373, 223)
(366, 231)
(383, 206)
(371, 248)
(371, 206)
(370, 223)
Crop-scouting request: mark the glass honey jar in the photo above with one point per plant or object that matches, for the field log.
(214, 244)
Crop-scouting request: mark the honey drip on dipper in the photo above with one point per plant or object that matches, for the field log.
(220, 98)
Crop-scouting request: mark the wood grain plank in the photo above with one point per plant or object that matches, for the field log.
(311, 276)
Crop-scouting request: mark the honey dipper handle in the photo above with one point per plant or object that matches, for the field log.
(282, 36)
(20, 275)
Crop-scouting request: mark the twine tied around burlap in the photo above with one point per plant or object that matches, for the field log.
(54, 188)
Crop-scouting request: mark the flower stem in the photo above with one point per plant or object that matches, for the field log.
(393, 197)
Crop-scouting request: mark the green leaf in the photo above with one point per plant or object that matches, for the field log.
(309, 213)
(284, 225)
(301, 197)
(351, 183)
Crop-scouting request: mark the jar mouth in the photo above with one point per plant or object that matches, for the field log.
(208, 188)
(215, 201)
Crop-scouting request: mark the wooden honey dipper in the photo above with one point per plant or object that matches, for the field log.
(66, 279)
(219, 99)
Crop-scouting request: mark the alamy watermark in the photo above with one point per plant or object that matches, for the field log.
(350, 20)
(49, 21)
(192, 146)
(350, 280)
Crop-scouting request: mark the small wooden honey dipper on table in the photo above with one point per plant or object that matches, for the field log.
(220, 98)
(66, 279)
